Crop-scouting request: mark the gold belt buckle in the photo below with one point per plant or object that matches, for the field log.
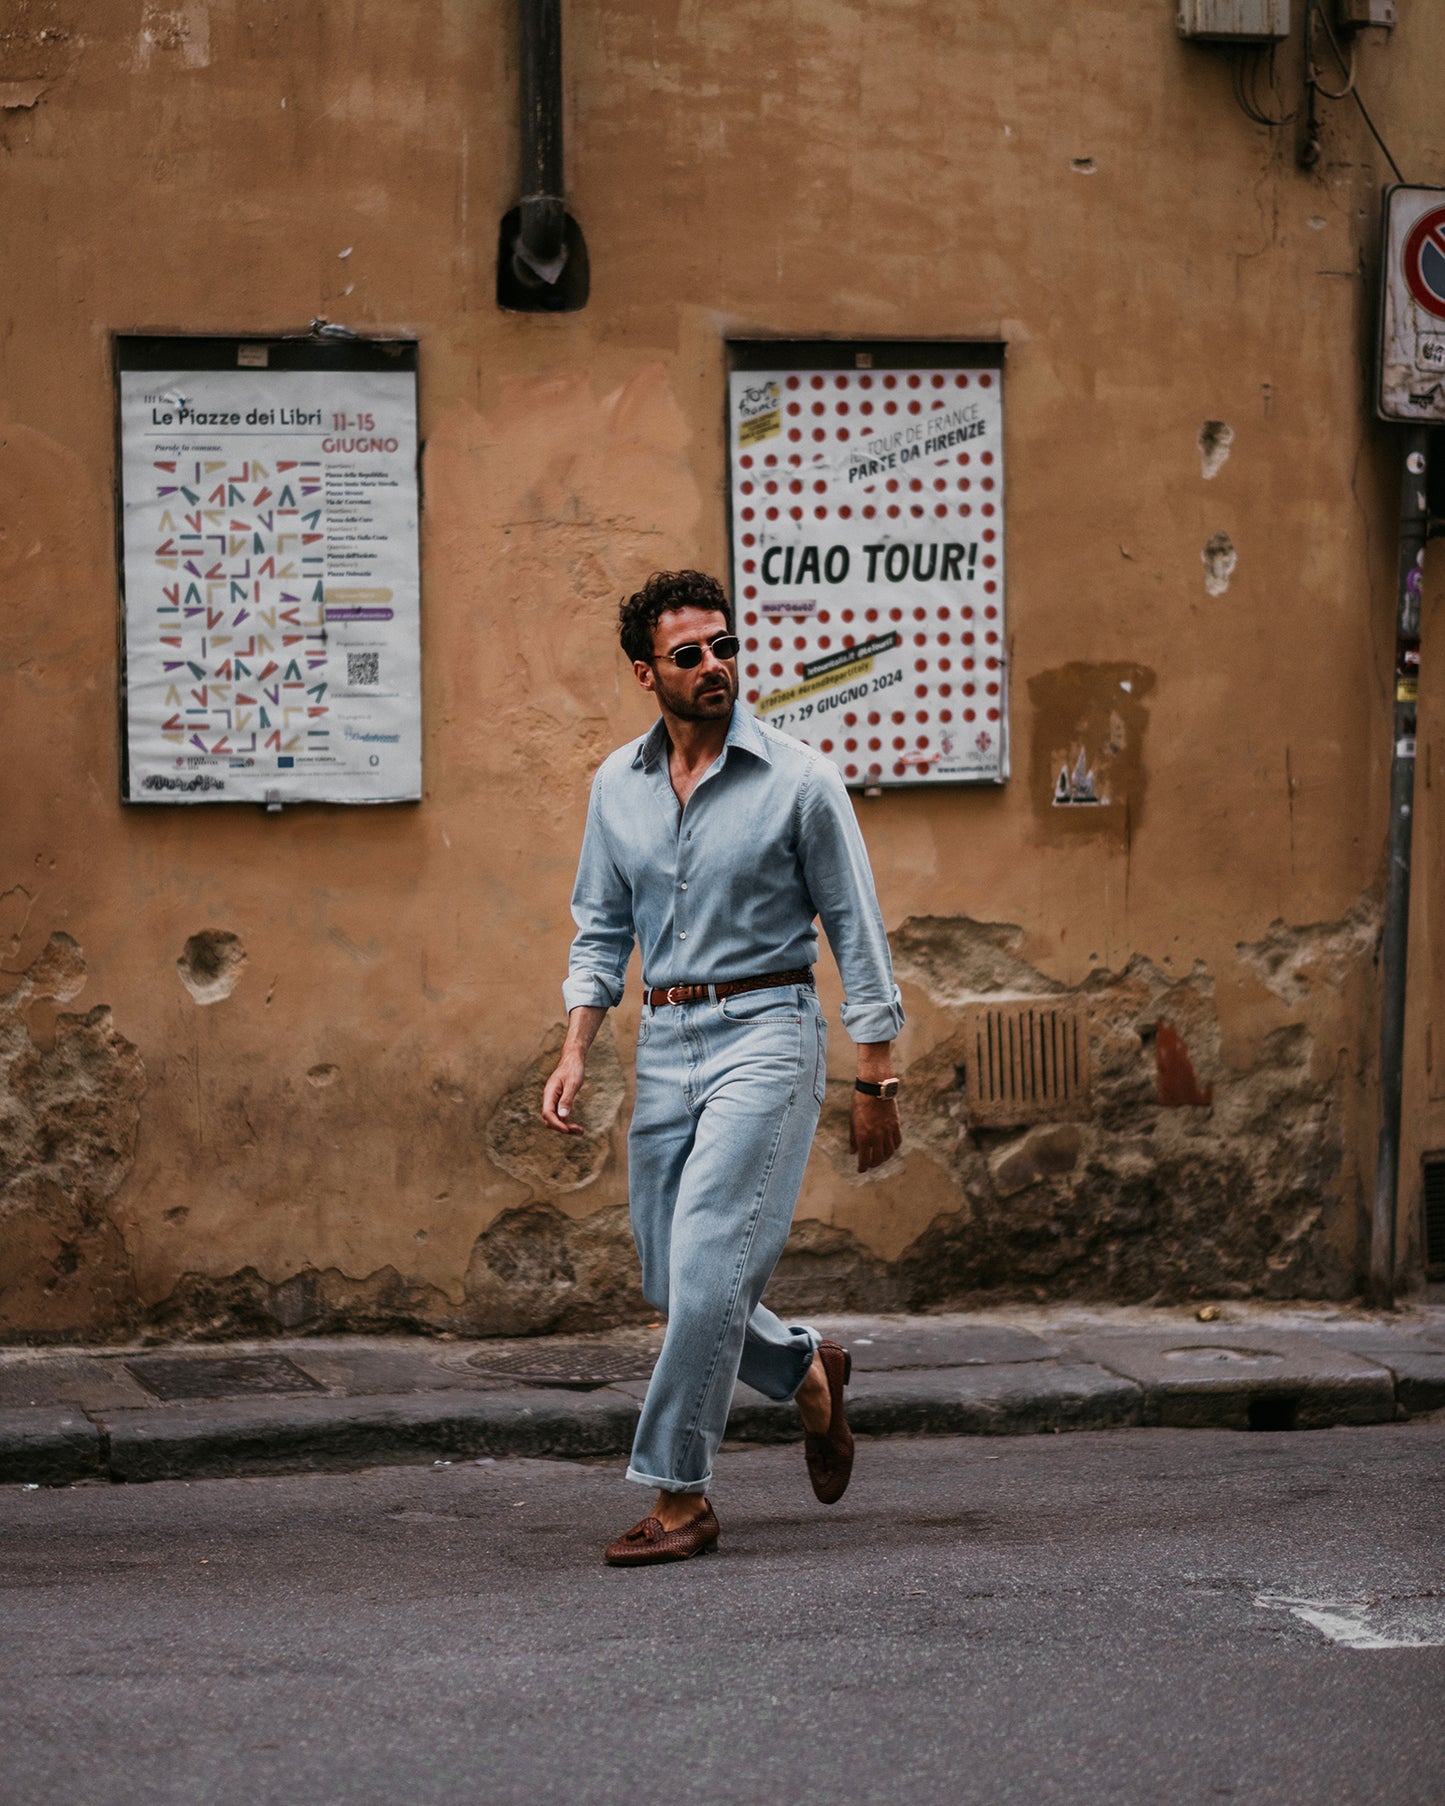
(672, 996)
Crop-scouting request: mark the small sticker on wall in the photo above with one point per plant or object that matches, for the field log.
(1405, 747)
(759, 417)
(1077, 787)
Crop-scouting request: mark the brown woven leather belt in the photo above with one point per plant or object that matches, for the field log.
(803, 975)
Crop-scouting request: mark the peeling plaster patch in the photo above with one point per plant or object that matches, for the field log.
(17, 96)
(1084, 166)
(69, 1115)
(533, 1271)
(1294, 962)
(1087, 748)
(957, 960)
(210, 964)
(322, 1076)
(56, 972)
(1219, 559)
(181, 31)
(15, 907)
(521, 1144)
(1215, 439)
(1396, 1621)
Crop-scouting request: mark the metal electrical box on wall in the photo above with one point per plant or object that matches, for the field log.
(868, 553)
(1411, 364)
(1234, 21)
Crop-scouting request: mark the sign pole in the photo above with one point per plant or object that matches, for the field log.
(1394, 945)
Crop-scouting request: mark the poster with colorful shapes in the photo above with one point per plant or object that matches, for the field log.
(269, 531)
(868, 554)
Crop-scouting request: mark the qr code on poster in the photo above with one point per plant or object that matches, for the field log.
(363, 668)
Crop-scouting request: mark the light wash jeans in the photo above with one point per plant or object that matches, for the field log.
(728, 1095)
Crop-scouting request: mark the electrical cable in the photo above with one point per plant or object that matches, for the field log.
(1350, 90)
(1246, 67)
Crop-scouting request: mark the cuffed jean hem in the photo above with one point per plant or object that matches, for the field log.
(641, 1479)
(805, 1354)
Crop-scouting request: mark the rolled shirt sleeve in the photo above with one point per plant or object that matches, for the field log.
(602, 910)
(835, 867)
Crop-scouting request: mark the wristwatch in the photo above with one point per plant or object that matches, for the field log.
(884, 1087)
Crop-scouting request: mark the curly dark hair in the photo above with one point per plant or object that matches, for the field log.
(663, 592)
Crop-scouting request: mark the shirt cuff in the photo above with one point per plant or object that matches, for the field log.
(869, 1022)
(589, 990)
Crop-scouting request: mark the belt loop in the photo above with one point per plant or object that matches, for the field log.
(712, 994)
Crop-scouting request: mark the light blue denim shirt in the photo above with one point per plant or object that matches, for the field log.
(730, 886)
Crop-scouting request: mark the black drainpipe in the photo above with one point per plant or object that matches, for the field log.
(541, 254)
(1394, 937)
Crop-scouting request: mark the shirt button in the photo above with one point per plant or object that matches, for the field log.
(683, 935)
(683, 885)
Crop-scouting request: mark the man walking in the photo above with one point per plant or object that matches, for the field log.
(714, 842)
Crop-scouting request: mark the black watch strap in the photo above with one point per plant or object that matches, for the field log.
(884, 1087)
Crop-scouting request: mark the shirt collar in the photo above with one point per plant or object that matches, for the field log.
(744, 735)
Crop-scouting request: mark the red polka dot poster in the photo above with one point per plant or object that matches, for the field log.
(868, 555)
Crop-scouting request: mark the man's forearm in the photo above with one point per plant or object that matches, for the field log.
(875, 1060)
(583, 1023)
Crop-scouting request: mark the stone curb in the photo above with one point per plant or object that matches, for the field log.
(307, 1435)
(52, 1447)
(48, 1448)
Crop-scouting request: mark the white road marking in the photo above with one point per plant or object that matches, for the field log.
(1391, 1621)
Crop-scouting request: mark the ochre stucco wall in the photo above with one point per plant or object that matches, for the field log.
(344, 1139)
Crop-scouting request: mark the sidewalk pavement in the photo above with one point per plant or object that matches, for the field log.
(185, 1411)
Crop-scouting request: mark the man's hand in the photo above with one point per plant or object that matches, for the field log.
(561, 1089)
(874, 1131)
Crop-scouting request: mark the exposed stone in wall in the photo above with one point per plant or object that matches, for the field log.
(69, 1113)
(1190, 1179)
(533, 1271)
(522, 1144)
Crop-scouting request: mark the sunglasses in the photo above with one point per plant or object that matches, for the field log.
(688, 657)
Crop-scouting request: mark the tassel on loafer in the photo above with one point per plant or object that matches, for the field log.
(829, 1453)
(648, 1541)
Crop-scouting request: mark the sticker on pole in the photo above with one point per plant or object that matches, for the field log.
(1412, 306)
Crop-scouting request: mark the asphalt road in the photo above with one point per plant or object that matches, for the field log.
(1145, 1616)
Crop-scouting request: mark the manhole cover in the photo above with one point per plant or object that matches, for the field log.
(1217, 1352)
(224, 1376)
(581, 1368)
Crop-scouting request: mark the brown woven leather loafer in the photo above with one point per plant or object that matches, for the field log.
(648, 1541)
(829, 1453)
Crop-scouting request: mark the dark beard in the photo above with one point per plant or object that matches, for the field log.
(688, 705)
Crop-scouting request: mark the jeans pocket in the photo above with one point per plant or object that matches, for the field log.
(644, 1028)
(820, 1069)
(778, 1003)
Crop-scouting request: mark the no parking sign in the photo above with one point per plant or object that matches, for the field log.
(1412, 307)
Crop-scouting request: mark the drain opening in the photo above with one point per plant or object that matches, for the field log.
(580, 1368)
(1274, 1412)
(175, 1377)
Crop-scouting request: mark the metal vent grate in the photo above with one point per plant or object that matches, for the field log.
(1434, 1165)
(174, 1377)
(1026, 1062)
